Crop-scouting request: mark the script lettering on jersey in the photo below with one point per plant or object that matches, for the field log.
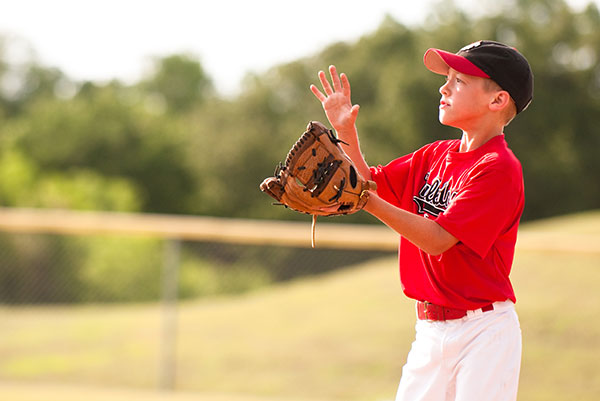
(434, 197)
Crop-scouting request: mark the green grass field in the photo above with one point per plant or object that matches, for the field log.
(341, 336)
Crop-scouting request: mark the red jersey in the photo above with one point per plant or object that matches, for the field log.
(476, 196)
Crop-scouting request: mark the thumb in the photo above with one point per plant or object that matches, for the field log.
(354, 111)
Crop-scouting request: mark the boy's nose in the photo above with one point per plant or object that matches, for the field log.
(444, 89)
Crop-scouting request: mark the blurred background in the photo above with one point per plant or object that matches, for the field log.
(114, 113)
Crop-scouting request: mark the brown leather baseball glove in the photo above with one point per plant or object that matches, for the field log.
(317, 177)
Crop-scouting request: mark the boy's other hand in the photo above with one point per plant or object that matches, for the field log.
(336, 101)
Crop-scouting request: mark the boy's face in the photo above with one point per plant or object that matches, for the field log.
(465, 100)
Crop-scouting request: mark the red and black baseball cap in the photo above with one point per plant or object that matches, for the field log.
(488, 59)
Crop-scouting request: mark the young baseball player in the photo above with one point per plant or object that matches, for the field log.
(456, 205)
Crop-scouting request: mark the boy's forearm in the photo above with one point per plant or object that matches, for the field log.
(426, 234)
(350, 136)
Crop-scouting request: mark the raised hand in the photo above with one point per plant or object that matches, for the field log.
(336, 101)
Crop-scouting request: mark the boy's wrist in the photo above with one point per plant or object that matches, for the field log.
(346, 131)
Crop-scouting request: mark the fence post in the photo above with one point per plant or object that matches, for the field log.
(170, 279)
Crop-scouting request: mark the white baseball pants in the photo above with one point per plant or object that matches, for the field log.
(476, 358)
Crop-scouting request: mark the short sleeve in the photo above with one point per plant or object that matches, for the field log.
(391, 179)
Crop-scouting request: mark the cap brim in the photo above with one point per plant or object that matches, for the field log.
(440, 61)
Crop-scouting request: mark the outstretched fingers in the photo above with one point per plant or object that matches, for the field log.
(325, 83)
(341, 85)
(345, 84)
(337, 85)
(318, 93)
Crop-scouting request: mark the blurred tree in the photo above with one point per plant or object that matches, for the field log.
(170, 144)
(180, 81)
(184, 150)
(112, 131)
(22, 184)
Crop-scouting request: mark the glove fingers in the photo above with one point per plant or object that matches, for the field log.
(318, 177)
(271, 186)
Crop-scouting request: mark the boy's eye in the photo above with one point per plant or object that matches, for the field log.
(456, 79)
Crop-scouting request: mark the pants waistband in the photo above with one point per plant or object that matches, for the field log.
(429, 311)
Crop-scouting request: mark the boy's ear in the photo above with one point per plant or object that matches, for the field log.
(500, 100)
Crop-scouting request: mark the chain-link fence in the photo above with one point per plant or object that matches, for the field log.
(66, 269)
(242, 310)
(81, 296)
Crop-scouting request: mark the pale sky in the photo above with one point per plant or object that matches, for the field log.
(101, 40)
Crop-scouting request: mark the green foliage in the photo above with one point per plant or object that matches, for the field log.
(114, 132)
(17, 178)
(180, 148)
(22, 184)
(84, 190)
(180, 82)
(170, 144)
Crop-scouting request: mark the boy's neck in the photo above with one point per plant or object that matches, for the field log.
(473, 140)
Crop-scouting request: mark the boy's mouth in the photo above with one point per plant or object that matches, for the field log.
(444, 104)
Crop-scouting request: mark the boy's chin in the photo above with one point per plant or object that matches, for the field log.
(444, 120)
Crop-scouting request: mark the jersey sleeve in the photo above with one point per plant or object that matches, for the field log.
(391, 179)
(394, 178)
(487, 206)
